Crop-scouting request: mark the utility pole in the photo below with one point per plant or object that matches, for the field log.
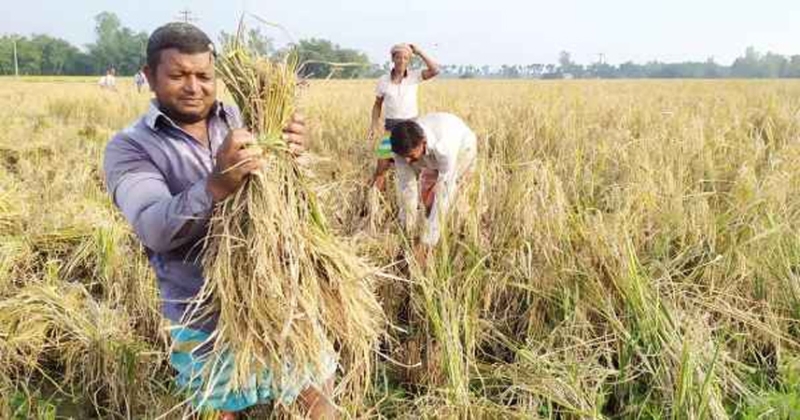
(16, 63)
(185, 15)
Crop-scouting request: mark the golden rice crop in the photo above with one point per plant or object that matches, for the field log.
(630, 251)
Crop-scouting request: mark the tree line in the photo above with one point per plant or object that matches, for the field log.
(124, 49)
(116, 46)
(752, 64)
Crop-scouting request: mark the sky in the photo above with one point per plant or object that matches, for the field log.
(491, 32)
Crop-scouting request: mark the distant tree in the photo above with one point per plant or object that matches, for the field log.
(253, 39)
(509, 71)
(602, 70)
(59, 56)
(747, 66)
(450, 69)
(6, 55)
(793, 67)
(29, 56)
(565, 61)
(117, 46)
(774, 65)
(322, 58)
(712, 70)
(123, 48)
(631, 70)
(567, 67)
(534, 70)
(42, 55)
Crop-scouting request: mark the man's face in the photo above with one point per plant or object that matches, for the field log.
(184, 85)
(400, 60)
(416, 153)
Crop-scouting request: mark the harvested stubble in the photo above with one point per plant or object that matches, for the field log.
(285, 288)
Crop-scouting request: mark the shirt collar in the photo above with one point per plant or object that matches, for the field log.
(430, 139)
(405, 75)
(154, 114)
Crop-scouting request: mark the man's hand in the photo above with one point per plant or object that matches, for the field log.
(237, 157)
(374, 132)
(379, 182)
(379, 178)
(235, 160)
(295, 134)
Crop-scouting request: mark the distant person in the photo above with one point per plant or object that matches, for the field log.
(109, 81)
(139, 80)
(396, 96)
(433, 154)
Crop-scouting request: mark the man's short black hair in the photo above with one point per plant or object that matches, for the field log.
(406, 136)
(184, 37)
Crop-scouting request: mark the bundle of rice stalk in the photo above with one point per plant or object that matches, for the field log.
(285, 289)
(60, 329)
(15, 262)
(365, 209)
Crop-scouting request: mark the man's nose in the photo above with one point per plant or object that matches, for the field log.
(191, 84)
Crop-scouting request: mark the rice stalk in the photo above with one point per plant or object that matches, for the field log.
(92, 345)
(286, 291)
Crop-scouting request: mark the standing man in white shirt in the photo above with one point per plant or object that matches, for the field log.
(140, 80)
(438, 143)
(396, 96)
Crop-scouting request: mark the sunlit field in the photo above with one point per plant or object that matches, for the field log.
(626, 249)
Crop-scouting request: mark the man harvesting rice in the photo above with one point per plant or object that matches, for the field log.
(109, 81)
(440, 150)
(396, 96)
(139, 79)
(166, 172)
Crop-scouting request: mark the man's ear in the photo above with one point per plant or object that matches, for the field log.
(150, 75)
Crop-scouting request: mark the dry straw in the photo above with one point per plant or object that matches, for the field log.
(286, 290)
(46, 325)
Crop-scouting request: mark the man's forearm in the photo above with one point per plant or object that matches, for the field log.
(432, 66)
(376, 116)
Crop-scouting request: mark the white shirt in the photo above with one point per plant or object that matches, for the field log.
(399, 100)
(107, 81)
(451, 150)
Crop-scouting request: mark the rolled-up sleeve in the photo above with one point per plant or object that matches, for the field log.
(380, 90)
(161, 220)
(407, 193)
(445, 189)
